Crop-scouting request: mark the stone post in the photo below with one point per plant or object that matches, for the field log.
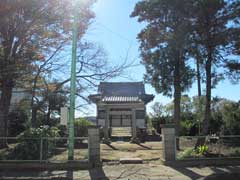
(168, 142)
(106, 127)
(94, 145)
(134, 127)
(64, 116)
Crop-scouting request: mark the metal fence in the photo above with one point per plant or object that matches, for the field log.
(44, 149)
(207, 147)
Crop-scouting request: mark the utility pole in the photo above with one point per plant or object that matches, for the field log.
(73, 83)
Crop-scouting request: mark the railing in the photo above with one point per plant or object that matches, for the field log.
(208, 147)
(44, 149)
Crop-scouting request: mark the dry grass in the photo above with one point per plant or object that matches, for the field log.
(79, 154)
(115, 151)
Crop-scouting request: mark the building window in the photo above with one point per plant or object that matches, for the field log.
(127, 117)
(101, 114)
(140, 114)
(116, 116)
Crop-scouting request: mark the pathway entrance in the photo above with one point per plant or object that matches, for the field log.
(146, 151)
(121, 132)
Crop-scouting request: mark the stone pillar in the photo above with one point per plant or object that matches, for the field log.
(64, 116)
(168, 142)
(94, 145)
(106, 127)
(134, 138)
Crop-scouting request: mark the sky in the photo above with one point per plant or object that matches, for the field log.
(116, 32)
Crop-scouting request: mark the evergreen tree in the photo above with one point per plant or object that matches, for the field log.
(213, 32)
(164, 47)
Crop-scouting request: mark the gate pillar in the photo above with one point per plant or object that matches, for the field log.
(168, 142)
(94, 145)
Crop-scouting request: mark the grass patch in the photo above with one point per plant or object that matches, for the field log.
(188, 153)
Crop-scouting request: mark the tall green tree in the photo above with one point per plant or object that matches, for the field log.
(214, 29)
(30, 30)
(164, 47)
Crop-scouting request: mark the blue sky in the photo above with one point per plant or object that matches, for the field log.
(117, 32)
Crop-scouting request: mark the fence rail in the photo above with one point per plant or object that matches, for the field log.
(208, 147)
(44, 149)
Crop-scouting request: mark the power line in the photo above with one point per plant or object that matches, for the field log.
(116, 33)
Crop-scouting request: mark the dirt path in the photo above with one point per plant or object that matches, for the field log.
(146, 151)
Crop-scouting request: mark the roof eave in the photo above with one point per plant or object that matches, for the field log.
(95, 97)
(147, 98)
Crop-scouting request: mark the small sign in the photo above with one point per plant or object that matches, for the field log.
(64, 116)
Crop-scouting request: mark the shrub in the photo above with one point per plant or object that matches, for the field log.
(193, 153)
(202, 150)
(29, 142)
(62, 130)
(186, 127)
(17, 122)
(81, 127)
(187, 153)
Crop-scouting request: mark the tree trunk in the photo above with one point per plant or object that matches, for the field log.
(48, 116)
(5, 100)
(199, 93)
(207, 114)
(34, 108)
(177, 99)
(34, 117)
(199, 79)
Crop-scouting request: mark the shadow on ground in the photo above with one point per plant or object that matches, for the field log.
(132, 171)
(97, 174)
(217, 173)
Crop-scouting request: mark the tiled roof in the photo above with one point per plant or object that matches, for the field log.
(121, 99)
(121, 92)
(127, 89)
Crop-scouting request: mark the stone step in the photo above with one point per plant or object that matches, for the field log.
(122, 129)
(125, 135)
(131, 161)
(121, 132)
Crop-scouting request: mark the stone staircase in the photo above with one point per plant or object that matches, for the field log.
(121, 132)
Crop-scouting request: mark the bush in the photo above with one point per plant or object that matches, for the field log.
(202, 150)
(29, 142)
(62, 130)
(187, 153)
(186, 127)
(81, 127)
(17, 122)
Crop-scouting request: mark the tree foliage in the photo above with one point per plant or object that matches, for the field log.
(214, 29)
(177, 31)
(164, 47)
(224, 120)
